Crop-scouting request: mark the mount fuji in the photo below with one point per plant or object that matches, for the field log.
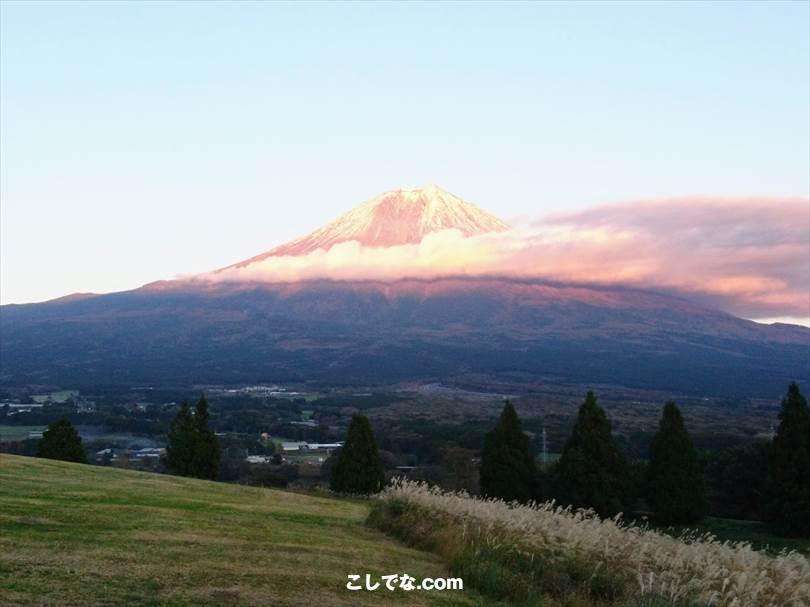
(394, 218)
(451, 329)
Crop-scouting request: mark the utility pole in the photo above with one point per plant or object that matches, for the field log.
(545, 448)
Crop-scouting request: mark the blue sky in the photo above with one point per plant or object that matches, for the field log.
(144, 140)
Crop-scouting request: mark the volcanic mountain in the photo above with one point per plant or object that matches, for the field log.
(393, 218)
(364, 332)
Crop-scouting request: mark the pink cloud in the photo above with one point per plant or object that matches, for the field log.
(750, 257)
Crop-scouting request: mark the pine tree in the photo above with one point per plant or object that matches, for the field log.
(592, 471)
(358, 468)
(207, 454)
(787, 489)
(675, 488)
(180, 447)
(61, 441)
(193, 449)
(507, 467)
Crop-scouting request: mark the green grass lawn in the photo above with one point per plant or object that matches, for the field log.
(60, 396)
(15, 433)
(85, 535)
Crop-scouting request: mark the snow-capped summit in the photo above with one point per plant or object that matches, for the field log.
(394, 218)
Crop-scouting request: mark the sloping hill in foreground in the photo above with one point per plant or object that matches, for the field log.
(86, 535)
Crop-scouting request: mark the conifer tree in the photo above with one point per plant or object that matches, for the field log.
(592, 471)
(675, 488)
(358, 468)
(61, 441)
(193, 449)
(507, 467)
(180, 447)
(205, 461)
(787, 489)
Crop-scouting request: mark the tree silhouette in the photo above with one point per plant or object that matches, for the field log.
(205, 461)
(61, 441)
(675, 488)
(193, 449)
(787, 488)
(507, 467)
(358, 468)
(592, 471)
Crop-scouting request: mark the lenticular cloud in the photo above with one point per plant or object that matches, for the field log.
(750, 257)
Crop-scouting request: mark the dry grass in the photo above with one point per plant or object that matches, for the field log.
(655, 568)
(85, 535)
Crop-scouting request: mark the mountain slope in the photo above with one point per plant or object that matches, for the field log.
(522, 332)
(394, 218)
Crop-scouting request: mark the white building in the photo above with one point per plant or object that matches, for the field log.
(257, 459)
(304, 446)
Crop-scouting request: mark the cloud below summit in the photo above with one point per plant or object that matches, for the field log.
(750, 257)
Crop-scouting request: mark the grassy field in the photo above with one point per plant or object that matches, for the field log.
(87, 535)
(59, 396)
(15, 433)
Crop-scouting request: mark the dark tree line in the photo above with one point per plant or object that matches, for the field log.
(770, 481)
(736, 479)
